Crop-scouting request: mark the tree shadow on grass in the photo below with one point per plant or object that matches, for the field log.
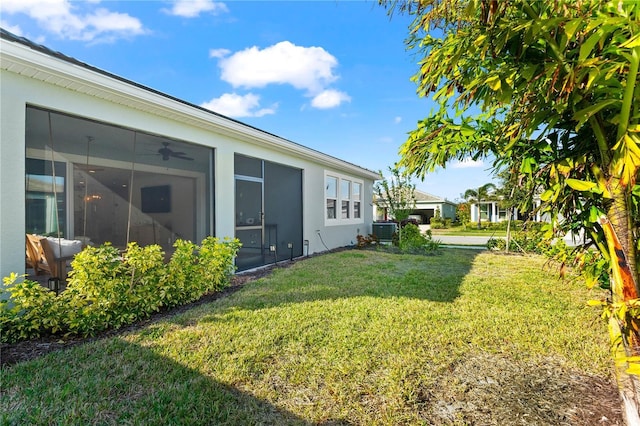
(435, 278)
(113, 381)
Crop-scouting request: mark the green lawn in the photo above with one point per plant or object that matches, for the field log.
(354, 337)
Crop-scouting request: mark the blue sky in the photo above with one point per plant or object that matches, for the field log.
(330, 75)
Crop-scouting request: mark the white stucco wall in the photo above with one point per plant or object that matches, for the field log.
(18, 91)
(12, 172)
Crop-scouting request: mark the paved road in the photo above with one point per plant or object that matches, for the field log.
(463, 240)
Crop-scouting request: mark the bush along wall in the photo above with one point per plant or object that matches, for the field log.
(108, 289)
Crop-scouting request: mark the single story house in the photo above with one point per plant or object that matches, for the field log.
(424, 209)
(90, 155)
(490, 211)
(427, 204)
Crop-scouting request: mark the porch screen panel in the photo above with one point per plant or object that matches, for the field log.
(123, 185)
(283, 208)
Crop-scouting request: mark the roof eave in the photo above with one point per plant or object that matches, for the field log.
(23, 60)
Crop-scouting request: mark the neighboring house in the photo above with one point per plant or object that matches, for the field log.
(491, 211)
(427, 204)
(425, 208)
(103, 159)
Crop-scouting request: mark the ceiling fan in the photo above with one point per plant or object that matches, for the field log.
(167, 153)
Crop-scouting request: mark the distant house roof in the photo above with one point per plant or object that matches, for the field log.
(425, 197)
(421, 197)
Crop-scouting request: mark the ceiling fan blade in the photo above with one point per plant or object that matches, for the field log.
(182, 157)
(167, 152)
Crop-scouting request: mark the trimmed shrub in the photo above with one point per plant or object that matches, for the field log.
(516, 225)
(108, 289)
(413, 241)
(27, 310)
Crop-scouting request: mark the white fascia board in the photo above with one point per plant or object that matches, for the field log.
(22, 60)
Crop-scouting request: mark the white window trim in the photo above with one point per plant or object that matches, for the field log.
(335, 198)
(338, 221)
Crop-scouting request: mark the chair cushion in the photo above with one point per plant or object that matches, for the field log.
(64, 248)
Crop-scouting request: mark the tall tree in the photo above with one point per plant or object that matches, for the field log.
(552, 88)
(478, 195)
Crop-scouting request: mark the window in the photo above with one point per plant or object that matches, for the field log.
(345, 195)
(343, 200)
(485, 211)
(356, 200)
(331, 192)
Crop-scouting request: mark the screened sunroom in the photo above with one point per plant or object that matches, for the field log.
(103, 183)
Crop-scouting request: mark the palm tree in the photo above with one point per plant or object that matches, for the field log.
(476, 196)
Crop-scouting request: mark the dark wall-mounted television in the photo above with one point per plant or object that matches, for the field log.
(156, 199)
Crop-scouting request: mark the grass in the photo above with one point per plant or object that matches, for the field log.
(354, 337)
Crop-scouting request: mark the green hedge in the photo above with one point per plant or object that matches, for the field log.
(108, 289)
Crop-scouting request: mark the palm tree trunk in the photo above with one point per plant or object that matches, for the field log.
(619, 237)
(620, 246)
(617, 226)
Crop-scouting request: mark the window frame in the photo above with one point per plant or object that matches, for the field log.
(356, 199)
(345, 199)
(342, 199)
(331, 197)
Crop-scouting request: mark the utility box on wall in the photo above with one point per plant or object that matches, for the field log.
(384, 230)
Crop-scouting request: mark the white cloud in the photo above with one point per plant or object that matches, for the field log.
(218, 53)
(310, 69)
(105, 21)
(193, 8)
(329, 99)
(397, 120)
(467, 163)
(15, 29)
(306, 68)
(61, 18)
(234, 105)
